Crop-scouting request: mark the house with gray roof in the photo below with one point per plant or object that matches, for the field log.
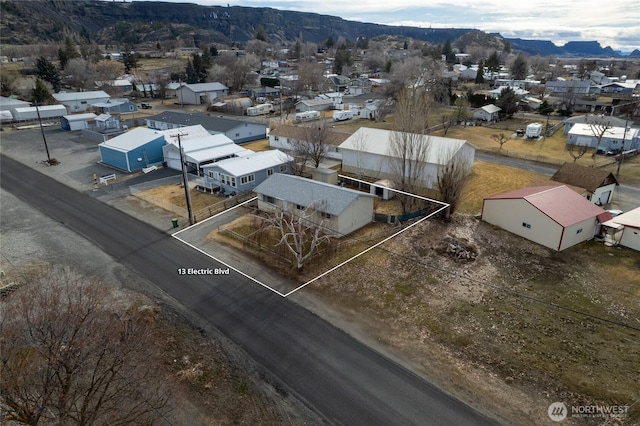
(487, 113)
(238, 130)
(116, 106)
(340, 210)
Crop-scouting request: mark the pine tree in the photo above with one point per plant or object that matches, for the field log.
(480, 73)
(48, 72)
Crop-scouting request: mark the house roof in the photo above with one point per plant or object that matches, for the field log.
(596, 119)
(112, 103)
(80, 117)
(300, 133)
(206, 87)
(559, 203)
(590, 178)
(630, 218)
(549, 182)
(218, 124)
(77, 96)
(251, 163)
(582, 129)
(132, 139)
(491, 109)
(378, 141)
(305, 192)
(12, 102)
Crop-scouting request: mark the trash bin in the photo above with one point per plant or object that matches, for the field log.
(174, 222)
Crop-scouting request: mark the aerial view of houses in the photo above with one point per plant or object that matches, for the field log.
(251, 215)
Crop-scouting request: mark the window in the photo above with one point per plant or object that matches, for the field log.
(246, 179)
(275, 138)
(299, 207)
(325, 215)
(283, 168)
(268, 199)
(212, 175)
(83, 102)
(579, 231)
(237, 135)
(269, 172)
(526, 225)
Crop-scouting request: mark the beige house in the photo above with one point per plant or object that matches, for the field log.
(625, 229)
(553, 216)
(340, 210)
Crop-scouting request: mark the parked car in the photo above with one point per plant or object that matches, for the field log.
(145, 105)
(615, 212)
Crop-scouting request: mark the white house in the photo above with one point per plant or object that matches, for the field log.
(612, 138)
(199, 148)
(553, 216)
(487, 113)
(340, 210)
(80, 101)
(367, 153)
(598, 184)
(77, 121)
(200, 93)
(242, 174)
(626, 229)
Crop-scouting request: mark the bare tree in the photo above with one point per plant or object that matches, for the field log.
(409, 145)
(451, 179)
(310, 76)
(599, 128)
(301, 230)
(80, 73)
(72, 353)
(461, 111)
(577, 151)
(317, 138)
(108, 70)
(500, 138)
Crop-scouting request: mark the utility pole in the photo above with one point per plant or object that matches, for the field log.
(624, 139)
(46, 147)
(185, 180)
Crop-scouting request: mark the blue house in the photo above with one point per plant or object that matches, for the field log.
(133, 150)
(116, 106)
(242, 174)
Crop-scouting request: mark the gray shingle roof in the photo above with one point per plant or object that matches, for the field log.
(304, 192)
(219, 124)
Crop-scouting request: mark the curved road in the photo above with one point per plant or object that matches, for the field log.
(341, 378)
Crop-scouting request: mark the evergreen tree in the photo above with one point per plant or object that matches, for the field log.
(493, 62)
(519, 68)
(447, 51)
(40, 93)
(343, 58)
(330, 41)
(48, 72)
(296, 50)
(130, 60)
(545, 108)
(480, 73)
(213, 51)
(67, 53)
(191, 73)
(507, 102)
(261, 33)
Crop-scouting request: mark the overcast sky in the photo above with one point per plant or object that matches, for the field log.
(614, 23)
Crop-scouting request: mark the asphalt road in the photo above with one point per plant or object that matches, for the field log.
(343, 379)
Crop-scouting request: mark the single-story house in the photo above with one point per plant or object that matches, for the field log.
(340, 210)
(487, 113)
(45, 112)
(619, 88)
(199, 148)
(77, 121)
(367, 153)
(107, 122)
(625, 229)
(133, 150)
(553, 216)
(595, 119)
(116, 106)
(80, 101)
(575, 87)
(286, 136)
(241, 174)
(613, 138)
(200, 93)
(238, 130)
(599, 184)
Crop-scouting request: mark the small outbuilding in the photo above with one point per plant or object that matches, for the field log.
(46, 112)
(134, 150)
(77, 121)
(624, 229)
(598, 184)
(487, 113)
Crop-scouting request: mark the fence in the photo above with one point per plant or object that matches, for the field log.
(221, 206)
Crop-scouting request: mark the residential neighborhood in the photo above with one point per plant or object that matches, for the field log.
(421, 226)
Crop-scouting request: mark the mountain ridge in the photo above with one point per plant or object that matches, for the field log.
(140, 22)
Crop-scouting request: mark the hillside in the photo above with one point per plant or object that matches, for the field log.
(120, 23)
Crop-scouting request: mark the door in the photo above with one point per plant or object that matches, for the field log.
(604, 197)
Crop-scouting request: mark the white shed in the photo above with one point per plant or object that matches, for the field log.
(45, 111)
(77, 121)
(626, 228)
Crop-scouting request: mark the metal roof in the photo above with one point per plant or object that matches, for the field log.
(206, 87)
(305, 192)
(218, 124)
(77, 96)
(132, 139)
(630, 218)
(378, 141)
(559, 203)
(251, 163)
(80, 117)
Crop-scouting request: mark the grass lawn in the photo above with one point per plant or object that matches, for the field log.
(489, 179)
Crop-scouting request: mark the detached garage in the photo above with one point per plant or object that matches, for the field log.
(555, 217)
(133, 150)
(77, 121)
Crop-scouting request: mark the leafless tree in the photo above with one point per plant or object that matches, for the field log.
(73, 353)
(317, 138)
(301, 231)
(409, 144)
(108, 70)
(310, 76)
(461, 112)
(577, 151)
(451, 179)
(599, 128)
(80, 73)
(233, 71)
(500, 138)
